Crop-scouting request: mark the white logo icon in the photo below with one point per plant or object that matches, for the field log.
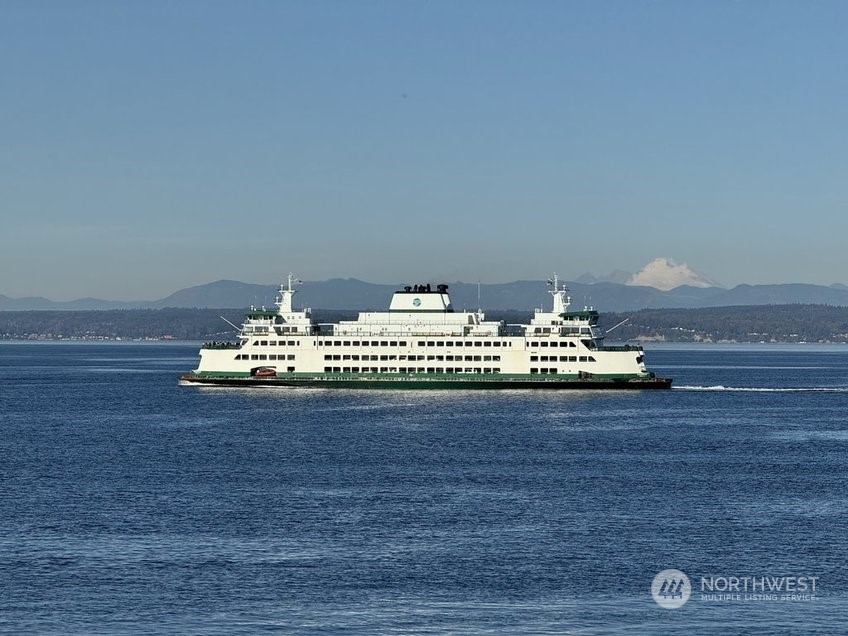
(671, 589)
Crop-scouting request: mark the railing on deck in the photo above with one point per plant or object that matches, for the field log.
(626, 347)
(220, 345)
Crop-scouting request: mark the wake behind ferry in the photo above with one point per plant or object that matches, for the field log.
(421, 342)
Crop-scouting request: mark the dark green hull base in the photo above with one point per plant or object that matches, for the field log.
(318, 382)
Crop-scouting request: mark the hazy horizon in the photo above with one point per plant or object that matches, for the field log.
(398, 283)
(149, 147)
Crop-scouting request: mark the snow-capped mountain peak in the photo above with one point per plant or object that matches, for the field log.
(663, 273)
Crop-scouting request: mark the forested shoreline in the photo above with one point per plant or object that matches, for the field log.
(757, 323)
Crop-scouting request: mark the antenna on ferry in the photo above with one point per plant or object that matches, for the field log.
(560, 300)
(478, 296)
(292, 280)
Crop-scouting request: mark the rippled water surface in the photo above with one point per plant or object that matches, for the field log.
(130, 504)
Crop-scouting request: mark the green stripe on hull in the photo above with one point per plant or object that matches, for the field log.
(221, 374)
(431, 381)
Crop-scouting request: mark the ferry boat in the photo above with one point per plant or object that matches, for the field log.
(421, 342)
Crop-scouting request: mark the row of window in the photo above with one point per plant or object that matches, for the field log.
(437, 358)
(562, 330)
(354, 356)
(545, 343)
(411, 370)
(403, 343)
(533, 370)
(562, 358)
(274, 343)
(362, 343)
(419, 343)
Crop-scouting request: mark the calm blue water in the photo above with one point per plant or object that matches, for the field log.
(130, 504)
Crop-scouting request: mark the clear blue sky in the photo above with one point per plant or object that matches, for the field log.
(148, 146)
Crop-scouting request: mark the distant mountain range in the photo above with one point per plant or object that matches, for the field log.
(353, 294)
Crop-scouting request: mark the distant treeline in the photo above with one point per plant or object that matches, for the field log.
(179, 324)
(171, 323)
(769, 323)
(750, 323)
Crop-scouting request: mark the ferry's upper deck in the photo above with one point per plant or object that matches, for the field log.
(418, 309)
(424, 309)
